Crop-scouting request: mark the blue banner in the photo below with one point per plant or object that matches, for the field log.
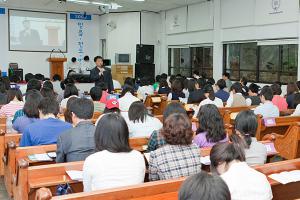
(2, 11)
(80, 16)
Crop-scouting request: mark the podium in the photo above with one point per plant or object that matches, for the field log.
(56, 66)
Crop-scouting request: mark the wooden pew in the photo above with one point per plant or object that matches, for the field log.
(281, 126)
(227, 111)
(96, 116)
(157, 102)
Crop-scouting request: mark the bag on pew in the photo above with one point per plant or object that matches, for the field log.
(63, 189)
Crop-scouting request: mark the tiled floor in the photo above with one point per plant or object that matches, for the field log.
(3, 194)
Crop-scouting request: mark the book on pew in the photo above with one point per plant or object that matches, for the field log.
(286, 177)
(39, 157)
(52, 154)
(205, 160)
(75, 175)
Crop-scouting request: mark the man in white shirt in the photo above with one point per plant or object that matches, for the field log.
(86, 65)
(73, 66)
(267, 109)
(127, 99)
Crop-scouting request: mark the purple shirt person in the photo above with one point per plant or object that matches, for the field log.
(201, 141)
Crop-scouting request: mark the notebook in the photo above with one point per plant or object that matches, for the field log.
(75, 175)
(39, 157)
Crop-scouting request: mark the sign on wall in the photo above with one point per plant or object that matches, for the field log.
(2, 11)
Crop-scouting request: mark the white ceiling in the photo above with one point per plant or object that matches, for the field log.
(128, 5)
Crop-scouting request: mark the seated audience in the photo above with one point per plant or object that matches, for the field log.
(267, 109)
(185, 90)
(115, 164)
(156, 139)
(179, 157)
(221, 93)
(196, 95)
(210, 97)
(298, 84)
(253, 98)
(245, 131)
(245, 89)
(236, 98)
(46, 130)
(297, 105)
(96, 94)
(30, 113)
(34, 84)
(48, 93)
(164, 87)
(56, 80)
(67, 113)
(129, 81)
(77, 143)
(244, 182)
(205, 187)
(70, 91)
(3, 93)
(14, 103)
(104, 89)
(196, 74)
(176, 91)
(211, 127)
(278, 100)
(145, 89)
(292, 89)
(139, 122)
(127, 98)
(112, 106)
(226, 78)
(156, 84)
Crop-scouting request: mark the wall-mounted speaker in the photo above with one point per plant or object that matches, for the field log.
(144, 54)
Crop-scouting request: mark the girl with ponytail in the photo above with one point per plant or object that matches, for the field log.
(244, 183)
(244, 135)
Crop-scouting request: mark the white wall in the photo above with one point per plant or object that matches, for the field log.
(35, 62)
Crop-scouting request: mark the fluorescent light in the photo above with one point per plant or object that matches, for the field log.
(79, 1)
(138, 0)
(99, 3)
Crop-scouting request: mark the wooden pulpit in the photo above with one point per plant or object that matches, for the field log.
(56, 66)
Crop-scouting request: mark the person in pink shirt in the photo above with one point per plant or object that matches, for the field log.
(15, 103)
(278, 100)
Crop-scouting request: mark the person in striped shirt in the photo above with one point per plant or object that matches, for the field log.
(15, 103)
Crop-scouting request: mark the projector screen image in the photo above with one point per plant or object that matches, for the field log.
(37, 31)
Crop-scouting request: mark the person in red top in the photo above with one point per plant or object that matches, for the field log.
(15, 103)
(278, 100)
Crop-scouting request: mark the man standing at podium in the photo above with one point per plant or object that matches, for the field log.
(101, 74)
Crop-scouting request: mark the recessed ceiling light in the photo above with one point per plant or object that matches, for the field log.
(138, 0)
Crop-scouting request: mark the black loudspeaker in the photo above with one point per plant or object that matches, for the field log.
(15, 72)
(144, 54)
(144, 70)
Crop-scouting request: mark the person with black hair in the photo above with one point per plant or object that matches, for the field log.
(296, 105)
(278, 100)
(245, 89)
(72, 67)
(236, 98)
(211, 127)
(164, 76)
(101, 74)
(221, 93)
(196, 74)
(210, 97)
(114, 164)
(253, 97)
(127, 98)
(14, 103)
(3, 93)
(298, 84)
(48, 92)
(30, 113)
(244, 182)
(77, 143)
(176, 91)
(205, 187)
(46, 130)
(196, 95)
(245, 131)
(28, 77)
(156, 140)
(129, 81)
(70, 91)
(67, 112)
(86, 65)
(96, 94)
(164, 87)
(267, 109)
(140, 122)
(291, 90)
(145, 88)
(111, 106)
(34, 84)
(179, 157)
(39, 77)
(226, 78)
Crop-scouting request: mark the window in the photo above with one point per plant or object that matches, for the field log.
(187, 59)
(266, 64)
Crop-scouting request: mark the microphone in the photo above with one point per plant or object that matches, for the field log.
(52, 52)
(62, 53)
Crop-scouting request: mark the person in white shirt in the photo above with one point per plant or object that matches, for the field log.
(244, 182)
(145, 89)
(56, 84)
(297, 104)
(210, 99)
(267, 109)
(115, 164)
(127, 98)
(139, 122)
(72, 67)
(86, 65)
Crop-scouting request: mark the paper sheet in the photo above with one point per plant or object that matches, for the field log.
(39, 157)
(75, 175)
(205, 160)
(286, 177)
